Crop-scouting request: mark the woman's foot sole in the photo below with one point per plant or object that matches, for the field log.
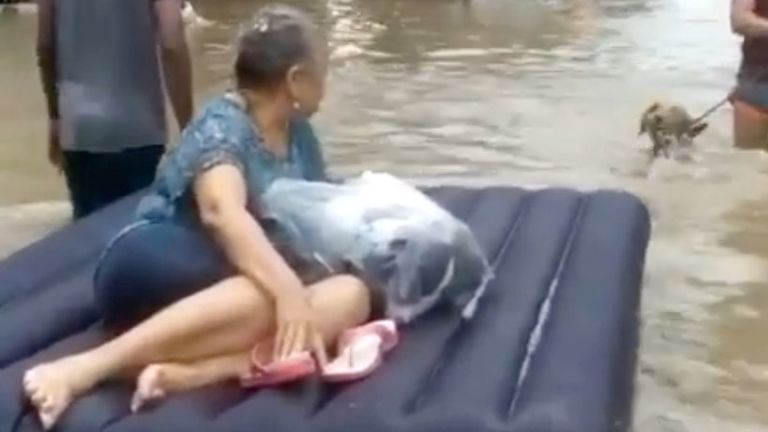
(150, 386)
(51, 387)
(158, 380)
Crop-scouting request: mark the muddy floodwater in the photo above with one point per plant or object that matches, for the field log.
(533, 92)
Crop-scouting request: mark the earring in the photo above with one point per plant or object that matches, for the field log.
(296, 105)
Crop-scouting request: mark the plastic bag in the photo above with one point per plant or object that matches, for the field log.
(416, 253)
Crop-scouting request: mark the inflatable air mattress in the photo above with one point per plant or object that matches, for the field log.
(552, 347)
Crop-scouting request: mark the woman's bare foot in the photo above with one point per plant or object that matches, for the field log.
(153, 383)
(51, 387)
(159, 380)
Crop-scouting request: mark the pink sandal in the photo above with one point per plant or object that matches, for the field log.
(291, 369)
(361, 350)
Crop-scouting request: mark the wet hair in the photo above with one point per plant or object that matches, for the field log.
(277, 38)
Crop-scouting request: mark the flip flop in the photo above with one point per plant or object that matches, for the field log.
(386, 329)
(361, 351)
(283, 371)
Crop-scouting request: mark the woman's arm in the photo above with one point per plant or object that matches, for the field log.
(221, 200)
(221, 196)
(745, 21)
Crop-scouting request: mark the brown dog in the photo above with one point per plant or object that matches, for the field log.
(669, 125)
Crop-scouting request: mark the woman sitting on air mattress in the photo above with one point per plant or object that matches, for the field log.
(247, 263)
(201, 328)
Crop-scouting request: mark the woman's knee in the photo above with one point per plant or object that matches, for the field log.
(352, 289)
(246, 309)
(343, 299)
(239, 291)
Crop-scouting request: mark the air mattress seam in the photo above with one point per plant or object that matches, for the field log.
(47, 344)
(89, 235)
(534, 337)
(523, 207)
(44, 285)
(471, 205)
(118, 418)
(243, 396)
(450, 346)
(11, 360)
(16, 424)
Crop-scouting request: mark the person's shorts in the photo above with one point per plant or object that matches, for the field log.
(151, 265)
(752, 93)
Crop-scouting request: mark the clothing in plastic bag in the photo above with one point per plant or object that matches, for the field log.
(417, 254)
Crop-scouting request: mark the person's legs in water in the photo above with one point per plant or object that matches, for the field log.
(95, 180)
(750, 126)
(750, 115)
(225, 319)
(137, 168)
(79, 175)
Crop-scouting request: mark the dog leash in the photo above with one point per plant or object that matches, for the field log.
(711, 110)
(725, 100)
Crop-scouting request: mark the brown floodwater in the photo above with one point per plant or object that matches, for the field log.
(532, 92)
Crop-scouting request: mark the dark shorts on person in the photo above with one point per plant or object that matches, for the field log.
(151, 265)
(753, 93)
(95, 180)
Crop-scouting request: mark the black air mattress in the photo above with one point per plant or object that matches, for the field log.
(551, 349)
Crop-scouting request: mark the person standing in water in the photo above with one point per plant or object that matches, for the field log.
(749, 18)
(100, 63)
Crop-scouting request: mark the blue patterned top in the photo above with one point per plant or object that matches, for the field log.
(224, 133)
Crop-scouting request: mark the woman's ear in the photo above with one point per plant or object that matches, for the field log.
(293, 80)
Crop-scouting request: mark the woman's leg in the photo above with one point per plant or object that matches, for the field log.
(159, 380)
(340, 302)
(224, 319)
(750, 127)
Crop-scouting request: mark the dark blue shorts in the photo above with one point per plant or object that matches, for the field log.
(95, 180)
(752, 93)
(151, 265)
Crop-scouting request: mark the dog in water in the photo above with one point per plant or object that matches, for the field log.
(669, 126)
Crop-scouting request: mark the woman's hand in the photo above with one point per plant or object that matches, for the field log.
(296, 327)
(222, 199)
